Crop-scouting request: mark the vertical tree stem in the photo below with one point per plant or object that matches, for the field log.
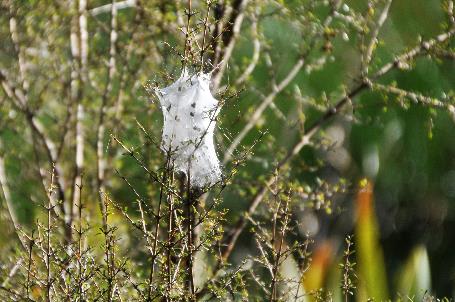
(187, 36)
(189, 231)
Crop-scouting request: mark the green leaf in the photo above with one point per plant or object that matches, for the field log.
(372, 280)
(414, 279)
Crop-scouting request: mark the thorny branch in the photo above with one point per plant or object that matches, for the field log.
(169, 218)
(231, 238)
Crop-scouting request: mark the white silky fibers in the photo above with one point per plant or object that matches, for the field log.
(189, 112)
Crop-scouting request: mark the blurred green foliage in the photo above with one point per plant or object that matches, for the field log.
(404, 245)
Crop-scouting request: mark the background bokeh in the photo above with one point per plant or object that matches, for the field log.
(407, 152)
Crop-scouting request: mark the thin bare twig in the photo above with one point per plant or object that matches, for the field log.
(260, 109)
(79, 47)
(230, 39)
(276, 89)
(7, 196)
(112, 6)
(101, 160)
(256, 51)
(368, 55)
(232, 237)
(18, 101)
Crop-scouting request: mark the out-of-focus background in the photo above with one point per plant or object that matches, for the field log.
(406, 150)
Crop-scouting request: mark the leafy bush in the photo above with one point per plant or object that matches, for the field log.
(311, 97)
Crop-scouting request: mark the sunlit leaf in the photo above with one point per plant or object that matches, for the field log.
(317, 273)
(415, 276)
(372, 281)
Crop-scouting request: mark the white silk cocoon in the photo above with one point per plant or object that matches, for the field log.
(189, 112)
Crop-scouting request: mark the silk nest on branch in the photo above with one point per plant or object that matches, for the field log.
(189, 112)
